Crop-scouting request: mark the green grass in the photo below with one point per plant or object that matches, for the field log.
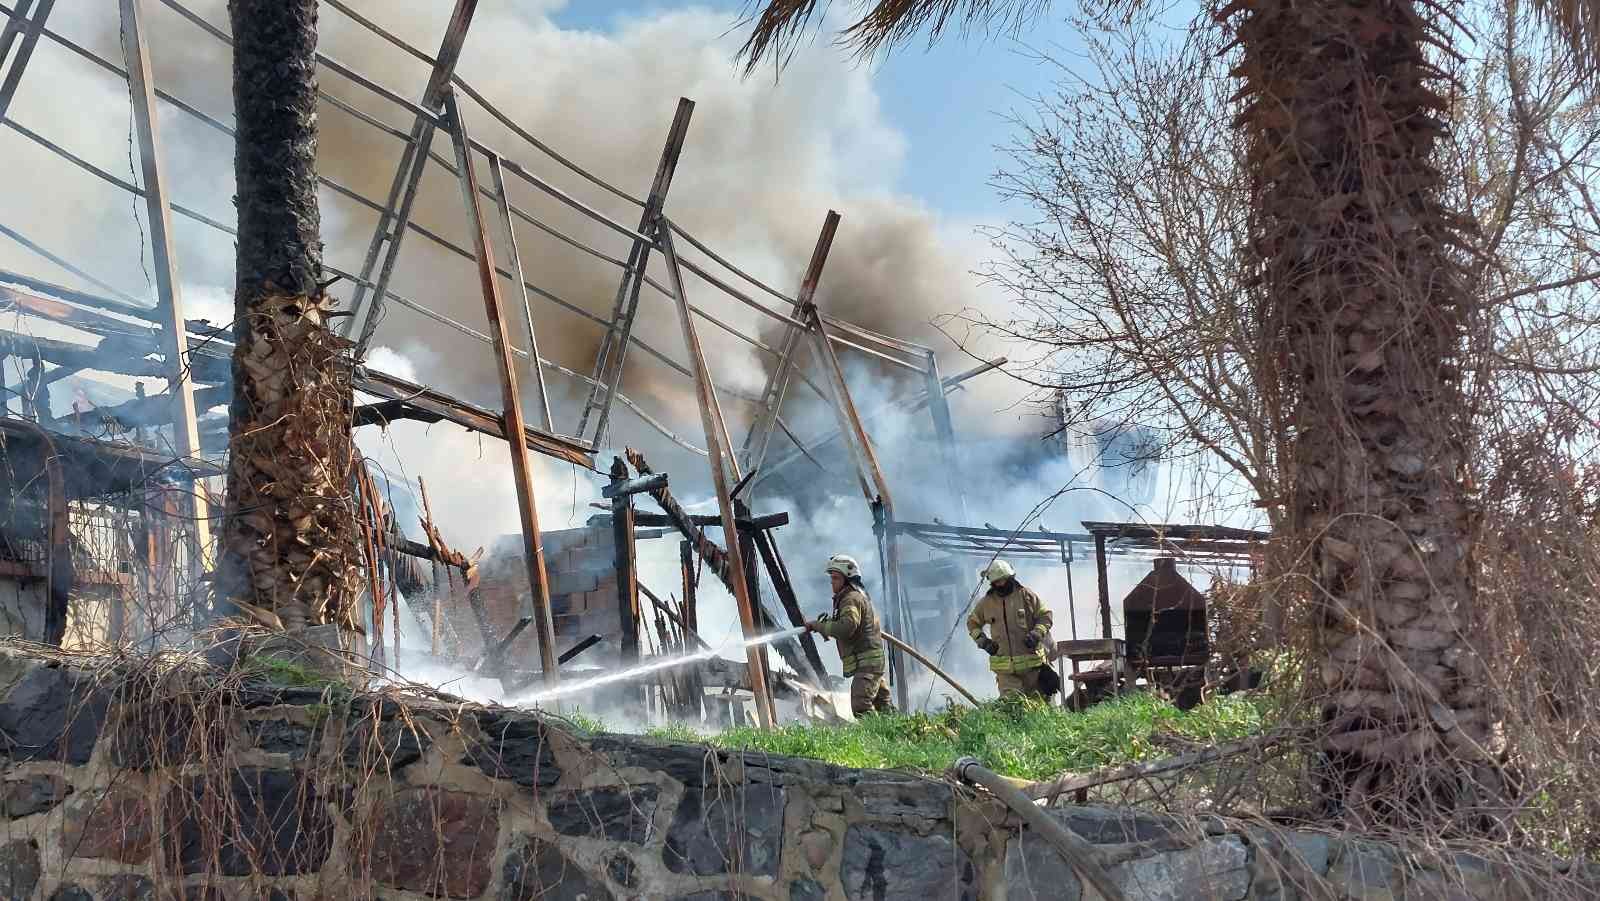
(1027, 740)
(284, 672)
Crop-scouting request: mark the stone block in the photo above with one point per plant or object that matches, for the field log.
(435, 842)
(890, 865)
(52, 713)
(897, 799)
(1216, 869)
(255, 821)
(153, 733)
(1036, 871)
(1285, 861)
(28, 795)
(19, 869)
(727, 829)
(514, 746)
(276, 735)
(1366, 871)
(111, 825)
(536, 869)
(615, 814)
(1104, 826)
(384, 746)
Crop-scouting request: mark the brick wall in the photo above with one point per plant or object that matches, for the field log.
(581, 567)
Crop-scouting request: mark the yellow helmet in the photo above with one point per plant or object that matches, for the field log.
(997, 571)
(845, 565)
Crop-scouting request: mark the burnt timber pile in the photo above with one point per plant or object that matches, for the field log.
(114, 439)
(129, 391)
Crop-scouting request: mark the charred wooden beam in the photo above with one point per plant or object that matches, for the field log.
(467, 415)
(745, 524)
(717, 559)
(621, 493)
(779, 574)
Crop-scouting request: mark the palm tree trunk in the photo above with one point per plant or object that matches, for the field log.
(1361, 262)
(288, 543)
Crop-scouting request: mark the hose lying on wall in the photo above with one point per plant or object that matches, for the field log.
(1077, 851)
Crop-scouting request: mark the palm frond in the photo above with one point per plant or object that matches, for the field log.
(1578, 22)
(778, 25)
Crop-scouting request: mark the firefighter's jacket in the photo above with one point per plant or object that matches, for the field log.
(854, 625)
(1011, 618)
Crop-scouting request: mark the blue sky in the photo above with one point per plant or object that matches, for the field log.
(949, 101)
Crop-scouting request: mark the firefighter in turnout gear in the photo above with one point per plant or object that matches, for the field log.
(1019, 632)
(854, 625)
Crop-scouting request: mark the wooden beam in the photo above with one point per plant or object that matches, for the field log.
(608, 364)
(174, 330)
(868, 470)
(497, 174)
(718, 452)
(627, 563)
(31, 29)
(521, 466)
(396, 216)
(760, 437)
(468, 416)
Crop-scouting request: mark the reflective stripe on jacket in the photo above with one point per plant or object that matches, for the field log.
(1011, 618)
(854, 625)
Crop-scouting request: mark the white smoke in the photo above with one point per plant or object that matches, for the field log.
(762, 164)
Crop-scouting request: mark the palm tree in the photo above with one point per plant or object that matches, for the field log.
(288, 540)
(1368, 299)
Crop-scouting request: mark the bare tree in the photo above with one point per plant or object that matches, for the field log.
(288, 550)
(1358, 310)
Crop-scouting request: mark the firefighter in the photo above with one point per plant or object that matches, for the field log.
(1019, 630)
(854, 624)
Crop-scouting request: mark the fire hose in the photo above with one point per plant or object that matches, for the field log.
(917, 656)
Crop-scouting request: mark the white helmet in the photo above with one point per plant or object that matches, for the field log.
(997, 571)
(845, 565)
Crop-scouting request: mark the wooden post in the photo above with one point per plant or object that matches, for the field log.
(691, 617)
(779, 574)
(521, 466)
(626, 564)
(396, 215)
(174, 332)
(747, 549)
(1103, 584)
(438, 605)
(945, 433)
(30, 29)
(1072, 603)
(497, 173)
(866, 460)
(614, 345)
(760, 437)
(718, 455)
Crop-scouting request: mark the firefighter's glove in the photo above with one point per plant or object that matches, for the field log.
(1031, 641)
(989, 645)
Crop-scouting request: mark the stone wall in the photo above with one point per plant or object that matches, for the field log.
(162, 783)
